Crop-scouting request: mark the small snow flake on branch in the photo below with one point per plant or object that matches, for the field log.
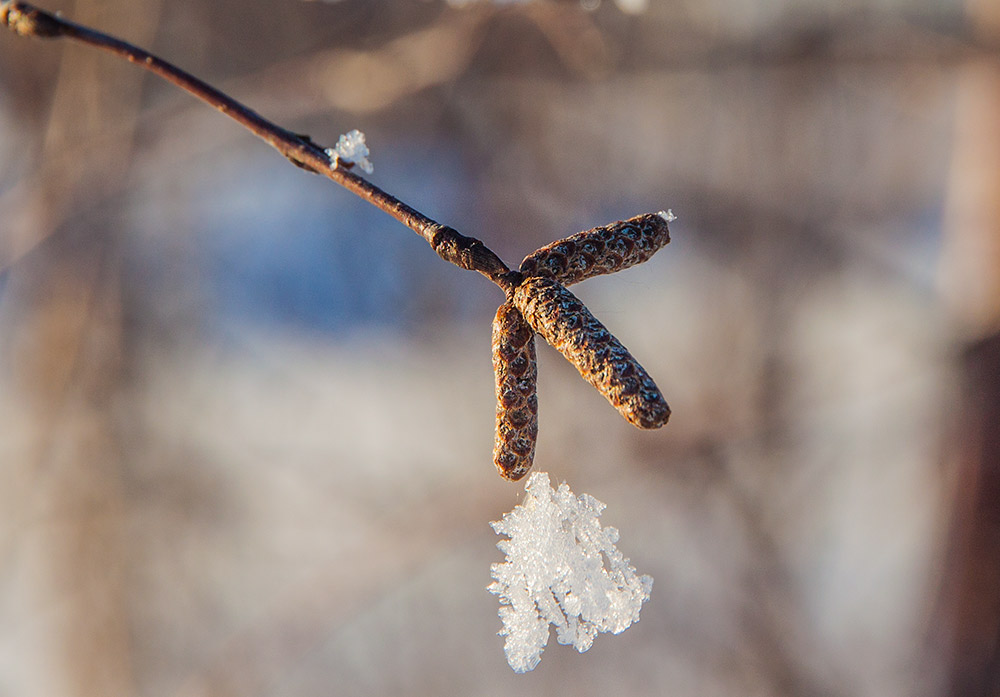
(555, 573)
(351, 149)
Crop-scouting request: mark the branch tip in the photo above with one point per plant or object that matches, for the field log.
(26, 20)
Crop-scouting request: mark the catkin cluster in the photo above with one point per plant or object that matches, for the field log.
(541, 303)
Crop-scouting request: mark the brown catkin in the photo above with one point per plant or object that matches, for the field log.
(567, 325)
(600, 250)
(517, 404)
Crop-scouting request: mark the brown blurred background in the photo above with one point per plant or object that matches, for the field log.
(246, 419)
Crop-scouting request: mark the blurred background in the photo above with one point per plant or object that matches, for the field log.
(246, 419)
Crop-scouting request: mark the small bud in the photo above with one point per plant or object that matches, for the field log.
(516, 375)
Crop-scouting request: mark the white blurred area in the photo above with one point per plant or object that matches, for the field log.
(246, 419)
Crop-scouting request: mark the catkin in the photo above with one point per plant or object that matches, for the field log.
(600, 250)
(516, 375)
(570, 328)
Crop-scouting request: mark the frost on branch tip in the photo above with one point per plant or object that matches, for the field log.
(555, 573)
(351, 148)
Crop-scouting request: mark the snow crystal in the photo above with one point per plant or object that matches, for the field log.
(555, 573)
(352, 148)
(667, 215)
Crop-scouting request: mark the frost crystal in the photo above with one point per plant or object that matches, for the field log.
(667, 215)
(352, 148)
(555, 574)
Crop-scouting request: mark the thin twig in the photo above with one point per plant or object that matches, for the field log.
(537, 300)
(451, 245)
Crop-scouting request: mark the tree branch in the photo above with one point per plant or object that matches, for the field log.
(467, 252)
(536, 297)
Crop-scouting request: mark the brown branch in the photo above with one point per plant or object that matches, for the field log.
(536, 297)
(466, 252)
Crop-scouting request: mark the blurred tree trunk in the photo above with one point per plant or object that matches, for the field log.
(972, 590)
(62, 547)
(970, 598)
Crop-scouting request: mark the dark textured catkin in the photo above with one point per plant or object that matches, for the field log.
(516, 375)
(600, 250)
(568, 326)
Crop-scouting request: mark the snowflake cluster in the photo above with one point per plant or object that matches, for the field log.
(351, 148)
(555, 573)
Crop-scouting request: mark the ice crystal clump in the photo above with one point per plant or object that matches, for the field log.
(667, 215)
(555, 573)
(351, 148)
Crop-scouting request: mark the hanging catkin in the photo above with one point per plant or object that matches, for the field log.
(517, 405)
(601, 250)
(568, 326)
